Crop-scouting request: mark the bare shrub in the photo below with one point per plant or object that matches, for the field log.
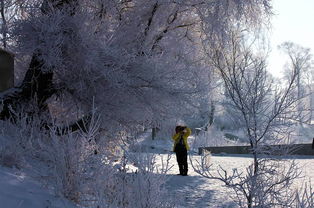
(304, 197)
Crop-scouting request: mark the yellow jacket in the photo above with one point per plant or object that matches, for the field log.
(176, 138)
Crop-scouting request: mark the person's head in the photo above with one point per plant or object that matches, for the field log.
(179, 129)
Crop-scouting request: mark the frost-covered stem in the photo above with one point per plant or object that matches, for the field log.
(165, 165)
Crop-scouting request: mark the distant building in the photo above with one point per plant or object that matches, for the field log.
(6, 70)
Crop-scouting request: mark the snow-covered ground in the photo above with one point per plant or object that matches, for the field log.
(17, 190)
(197, 191)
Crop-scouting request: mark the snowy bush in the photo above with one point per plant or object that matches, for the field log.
(25, 144)
(66, 157)
(14, 142)
(81, 167)
(131, 189)
(115, 184)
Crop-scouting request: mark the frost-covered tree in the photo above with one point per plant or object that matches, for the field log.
(300, 59)
(140, 61)
(264, 109)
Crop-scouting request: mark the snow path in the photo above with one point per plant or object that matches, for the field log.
(199, 192)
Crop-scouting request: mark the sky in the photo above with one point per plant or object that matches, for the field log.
(293, 21)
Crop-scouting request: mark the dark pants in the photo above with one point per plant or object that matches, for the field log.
(182, 159)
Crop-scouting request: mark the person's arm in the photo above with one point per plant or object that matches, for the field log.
(187, 132)
(175, 137)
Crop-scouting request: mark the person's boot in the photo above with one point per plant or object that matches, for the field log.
(185, 172)
(181, 171)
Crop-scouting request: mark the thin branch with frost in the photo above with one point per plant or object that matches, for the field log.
(165, 165)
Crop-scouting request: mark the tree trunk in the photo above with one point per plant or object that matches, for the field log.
(211, 114)
(154, 132)
(37, 85)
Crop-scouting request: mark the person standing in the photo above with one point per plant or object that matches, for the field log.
(181, 147)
